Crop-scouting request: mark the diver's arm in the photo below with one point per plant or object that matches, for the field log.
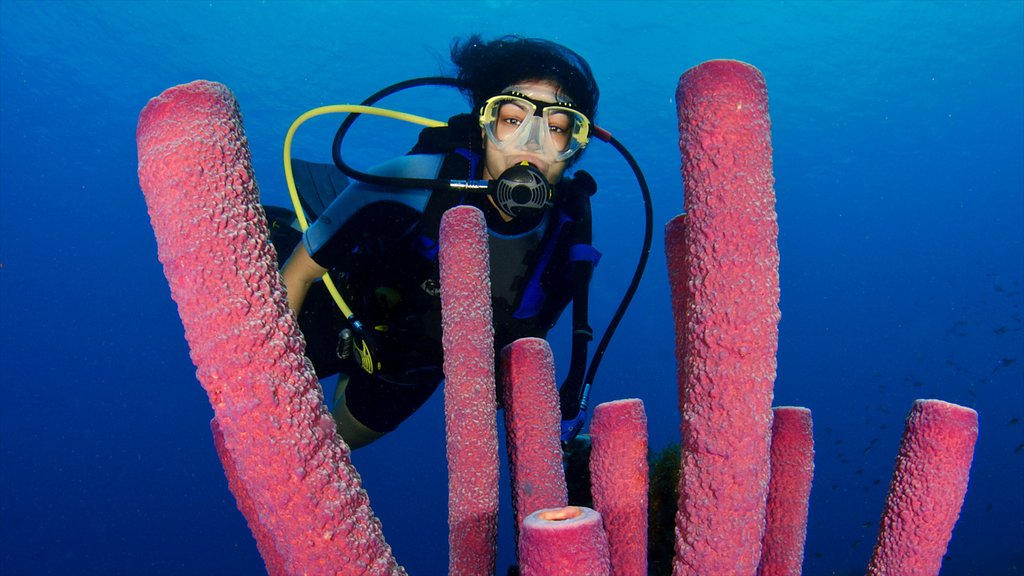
(298, 274)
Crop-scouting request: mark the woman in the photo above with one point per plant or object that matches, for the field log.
(535, 101)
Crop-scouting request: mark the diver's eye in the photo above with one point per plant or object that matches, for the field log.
(560, 125)
(510, 116)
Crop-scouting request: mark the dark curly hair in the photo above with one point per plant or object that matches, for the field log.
(487, 68)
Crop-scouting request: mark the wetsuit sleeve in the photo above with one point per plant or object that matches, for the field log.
(325, 239)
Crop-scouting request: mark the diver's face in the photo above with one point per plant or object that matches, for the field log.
(497, 161)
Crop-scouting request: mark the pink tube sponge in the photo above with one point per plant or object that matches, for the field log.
(469, 393)
(788, 492)
(563, 541)
(927, 489)
(619, 481)
(723, 269)
(196, 173)
(264, 541)
(532, 423)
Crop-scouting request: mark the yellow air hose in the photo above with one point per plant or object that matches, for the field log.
(290, 178)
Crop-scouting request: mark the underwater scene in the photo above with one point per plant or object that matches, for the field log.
(897, 145)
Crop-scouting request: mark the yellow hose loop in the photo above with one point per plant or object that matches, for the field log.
(290, 178)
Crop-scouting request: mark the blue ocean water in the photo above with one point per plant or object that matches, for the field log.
(898, 131)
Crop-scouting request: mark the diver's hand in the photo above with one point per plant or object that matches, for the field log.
(571, 428)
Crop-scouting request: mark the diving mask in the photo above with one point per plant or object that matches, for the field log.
(556, 130)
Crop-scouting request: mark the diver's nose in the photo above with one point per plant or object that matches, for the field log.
(534, 131)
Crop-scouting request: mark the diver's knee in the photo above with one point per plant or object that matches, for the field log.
(352, 431)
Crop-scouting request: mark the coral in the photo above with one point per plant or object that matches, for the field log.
(291, 473)
(789, 491)
(927, 489)
(469, 393)
(723, 263)
(294, 480)
(564, 541)
(532, 428)
(618, 467)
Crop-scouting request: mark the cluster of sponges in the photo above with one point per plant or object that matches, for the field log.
(745, 469)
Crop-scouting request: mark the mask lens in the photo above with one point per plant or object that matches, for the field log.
(567, 128)
(504, 116)
(513, 120)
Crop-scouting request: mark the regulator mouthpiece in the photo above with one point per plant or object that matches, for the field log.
(521, 190)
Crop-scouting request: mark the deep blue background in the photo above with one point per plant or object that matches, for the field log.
(898, 138)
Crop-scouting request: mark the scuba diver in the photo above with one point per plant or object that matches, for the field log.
(376, 239)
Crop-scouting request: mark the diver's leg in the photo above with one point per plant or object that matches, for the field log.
(368, 407)
(354, 432)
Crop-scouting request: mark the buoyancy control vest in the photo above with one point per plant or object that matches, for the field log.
(382, 246)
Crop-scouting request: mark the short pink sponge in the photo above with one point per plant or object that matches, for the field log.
(562, 541)
(531, 424)
(927, 489)
(619, 481)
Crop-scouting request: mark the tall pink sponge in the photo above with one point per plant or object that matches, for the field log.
(788, 492)
(723, 262)
(532, 423)
(927, 489)
(469, 393)
(196, 173)
(619, 481)
(563, 541)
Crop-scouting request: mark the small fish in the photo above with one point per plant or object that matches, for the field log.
(989, 507)
(876, 481)
(918, 384)
(866, 524)
(1007, 362)
(1019, 448)
(1013, 421)
(1001, 330)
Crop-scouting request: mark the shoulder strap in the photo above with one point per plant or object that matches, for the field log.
(584, 258)
(460, 142)
(462, 131)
